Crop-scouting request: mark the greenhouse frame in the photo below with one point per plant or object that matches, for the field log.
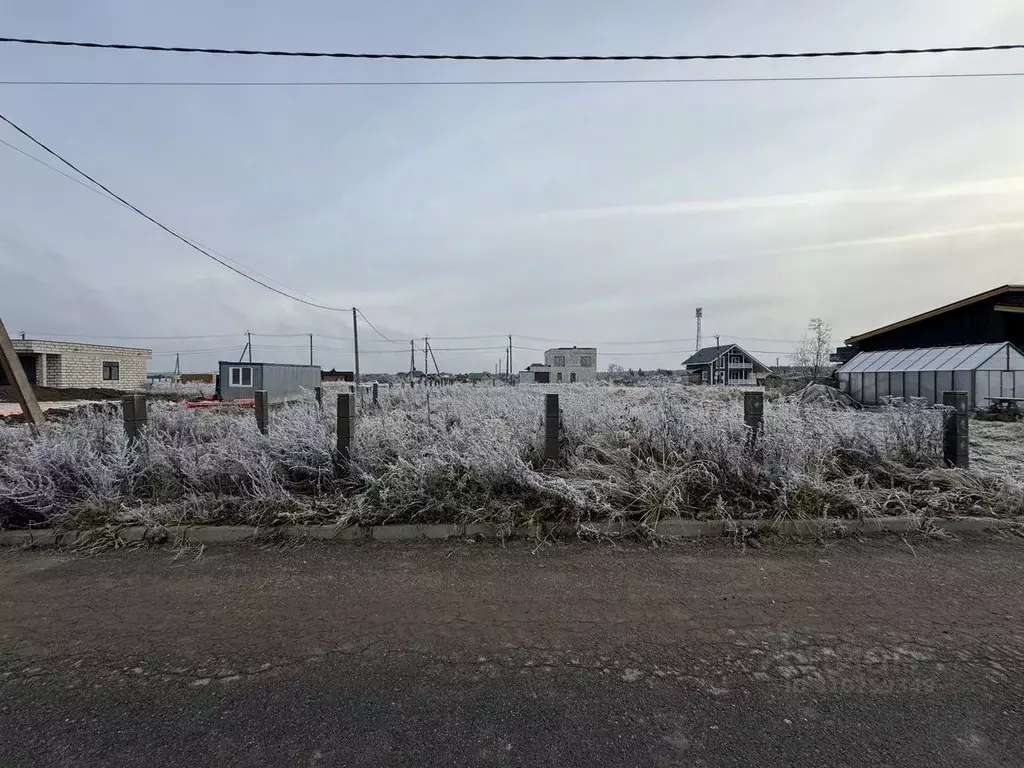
(981, 370)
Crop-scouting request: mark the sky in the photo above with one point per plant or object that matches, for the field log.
(598, 214)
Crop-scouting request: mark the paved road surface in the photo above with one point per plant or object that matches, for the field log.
(879, 653)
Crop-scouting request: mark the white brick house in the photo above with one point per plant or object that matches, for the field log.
(72, 365)
(564, 365)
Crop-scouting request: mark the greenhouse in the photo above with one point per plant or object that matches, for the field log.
(982, 370)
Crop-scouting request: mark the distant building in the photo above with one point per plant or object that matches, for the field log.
(563, 365)
(72, 365)
(333, 375)
(728, 364)
(239, 381)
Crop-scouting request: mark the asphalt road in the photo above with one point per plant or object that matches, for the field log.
(882, 653)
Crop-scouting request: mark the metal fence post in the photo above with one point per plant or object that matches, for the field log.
(136, 416)
(262, 411)
(319, 393)
(753, 414)
(955, 445)
(346, 430)
(375, 394)
(552, 418)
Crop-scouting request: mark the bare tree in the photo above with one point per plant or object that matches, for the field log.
(615, 368)
(814, 349)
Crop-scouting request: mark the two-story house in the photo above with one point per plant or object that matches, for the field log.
(563, 365)
(728, 364)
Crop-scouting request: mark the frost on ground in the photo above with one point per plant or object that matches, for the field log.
(474, 455)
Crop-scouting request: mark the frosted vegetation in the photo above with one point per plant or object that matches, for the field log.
(475, 456)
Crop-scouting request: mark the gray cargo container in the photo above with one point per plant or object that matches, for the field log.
(239, 381)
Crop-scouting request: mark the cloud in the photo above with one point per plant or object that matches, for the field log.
(911, 237)
(979, 188)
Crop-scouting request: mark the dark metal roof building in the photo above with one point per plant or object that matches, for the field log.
(991, 317)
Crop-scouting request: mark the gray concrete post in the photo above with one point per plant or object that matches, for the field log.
(319, 393)
(346, 430)
(552, 418)
(753, 414)
(262, 409)
(136, 416)
(375, 394)
(955, 450)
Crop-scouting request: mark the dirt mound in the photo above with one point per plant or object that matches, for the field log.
(54, 395)
(822, 394)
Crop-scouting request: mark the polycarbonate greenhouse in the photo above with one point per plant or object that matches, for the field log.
(981, 370)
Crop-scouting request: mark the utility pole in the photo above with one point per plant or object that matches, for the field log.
(248, 343)
(412, 357)
(311, 349)
(426, 366)
(177, 366)
(436, 369)
(700, 316)
(355, 348)
(510, 355)
(11, 365)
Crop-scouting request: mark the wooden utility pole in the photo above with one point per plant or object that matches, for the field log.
(426, 365)
(436, 369)
(311, 349)
(248, 343)
(355, 345)
(412, 358)
(510, 356)
(16, 375)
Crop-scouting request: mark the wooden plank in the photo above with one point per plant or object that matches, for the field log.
(16, 375)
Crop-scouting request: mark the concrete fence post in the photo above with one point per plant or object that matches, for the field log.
(955, 445)
(375, 394)
(262, 411)
(319, 393)
(346, 431)
(552, 419)
(136, 415)
(753, 414)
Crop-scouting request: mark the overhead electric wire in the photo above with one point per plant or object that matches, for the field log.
(76, 336)
(508, 56)
(365, 318)
(581, 81)
(209, 254)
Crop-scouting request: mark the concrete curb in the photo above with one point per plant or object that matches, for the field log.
(669, 528)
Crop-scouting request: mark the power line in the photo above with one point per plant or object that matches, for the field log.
(107, 197)
(413, 83)
(40, 335)
(185, 240)
(508, 57)
(372, 326)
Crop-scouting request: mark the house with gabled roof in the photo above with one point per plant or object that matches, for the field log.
(728, 364)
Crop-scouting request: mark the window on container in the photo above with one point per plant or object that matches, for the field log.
(111, 371)
(559, 361)
(558, 377)
(241, 376)
(572, 377)
(586, 361)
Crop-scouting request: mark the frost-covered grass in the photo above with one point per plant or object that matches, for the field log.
(475, 455)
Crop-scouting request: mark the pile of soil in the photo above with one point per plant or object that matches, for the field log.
(822, 394)
(53, 395)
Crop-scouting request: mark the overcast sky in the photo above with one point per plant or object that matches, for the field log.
(589, 213)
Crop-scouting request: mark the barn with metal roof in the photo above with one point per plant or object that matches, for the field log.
(990, 317)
